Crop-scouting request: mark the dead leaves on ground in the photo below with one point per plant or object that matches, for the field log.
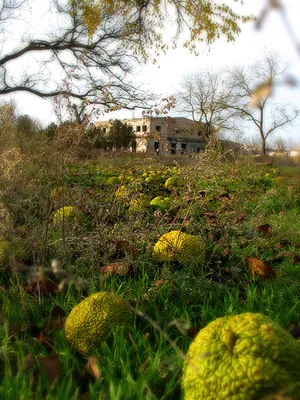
(260, 268)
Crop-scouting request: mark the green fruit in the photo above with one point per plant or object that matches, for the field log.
(242, 357)
(112, 180)
(162, 203)
(150, 179)
(57, 193)
(95, 318)
(67, 215)
(141, 203)
(122, 192)
(179, 246)
(4, 252)
(171, 182)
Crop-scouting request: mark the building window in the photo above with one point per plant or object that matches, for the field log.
(158, 128)
(138, 128)
(104, 130)
(183, 148)
(200, 132)
(198, 149)
(177, 131)
(173, 148)
(144, 128)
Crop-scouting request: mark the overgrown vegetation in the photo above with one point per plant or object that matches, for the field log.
(245, 214)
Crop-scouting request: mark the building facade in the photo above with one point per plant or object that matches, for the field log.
(164, 135)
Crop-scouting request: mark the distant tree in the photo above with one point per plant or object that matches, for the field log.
(50, 130)
(96, 136)
(204, 96)
(25, 124)
(120, 135)
(253, 97)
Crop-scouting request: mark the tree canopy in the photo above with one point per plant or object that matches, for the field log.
(87, 49)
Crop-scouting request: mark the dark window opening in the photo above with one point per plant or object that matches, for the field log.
(177, 131)
(158, 128)
(133, 146)
(138, 128)
(173, 148)
(104, 130)
(144, 128)
(198, 149)
(183, 148)
(200, 133)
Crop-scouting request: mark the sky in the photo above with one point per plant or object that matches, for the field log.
(165, 78)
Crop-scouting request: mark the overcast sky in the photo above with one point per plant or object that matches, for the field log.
(172, 66)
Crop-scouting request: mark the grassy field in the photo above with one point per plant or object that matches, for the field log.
(246, 215)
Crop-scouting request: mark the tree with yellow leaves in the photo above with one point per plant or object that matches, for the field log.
(89, 48)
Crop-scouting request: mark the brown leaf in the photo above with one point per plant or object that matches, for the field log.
(93, 367)
(117, 268)
(259, 268)
(226, 252)
(296, 259)
(264, 229)
(51, 367)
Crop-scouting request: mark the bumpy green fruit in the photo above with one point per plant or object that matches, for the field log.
(67, 215)
(162, 203)
(57, 193)
(171, 182)
(178, 246)
(95, 318)
(122, 192)
(113, 180)
(141, 203)
(242, 357)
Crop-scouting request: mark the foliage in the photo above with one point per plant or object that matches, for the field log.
(120, 135)
(94, 45)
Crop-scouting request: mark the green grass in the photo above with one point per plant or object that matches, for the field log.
(222, 204)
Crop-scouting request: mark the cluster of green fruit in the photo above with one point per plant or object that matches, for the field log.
(241, 357)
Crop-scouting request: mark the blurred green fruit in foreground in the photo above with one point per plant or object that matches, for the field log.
(95, 318)
(241, 357)
(179, 246)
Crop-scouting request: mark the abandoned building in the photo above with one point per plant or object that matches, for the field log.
(164, 135)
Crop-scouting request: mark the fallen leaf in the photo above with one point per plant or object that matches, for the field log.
(117, 268)
(226, 252)
(93, 367)
(260, 268)
(264, 229)
(296, 259)
(51, 367)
